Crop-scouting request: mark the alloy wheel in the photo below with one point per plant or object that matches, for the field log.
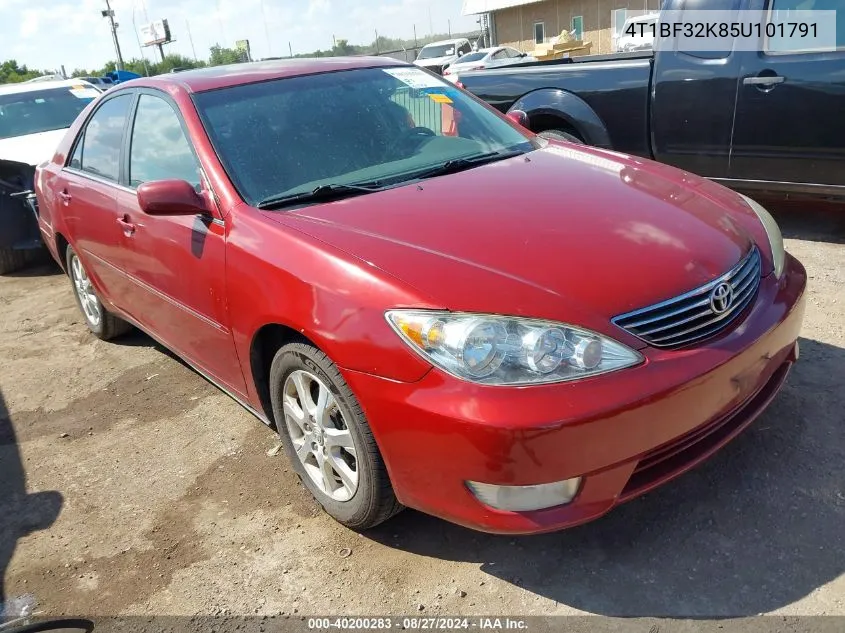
(85, 291)
(320, 435)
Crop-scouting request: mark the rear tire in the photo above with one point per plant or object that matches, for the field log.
(560, 135)
(102, 323)
(12, 260)
(314, 437)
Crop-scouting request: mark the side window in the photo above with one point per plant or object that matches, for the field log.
(159, 149)
(466, 48)
(501, 54)
(98, 151)
(717, 5)
(782, 8)
(512, 52)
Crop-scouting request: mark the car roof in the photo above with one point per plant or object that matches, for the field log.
(441, 42)
(216, 77)
(42, 85)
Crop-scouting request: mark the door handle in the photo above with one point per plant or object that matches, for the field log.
(765, 81)
(65, 197)
(126, 225)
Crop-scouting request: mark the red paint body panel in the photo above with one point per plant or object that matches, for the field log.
(452, 432)
(568, 233)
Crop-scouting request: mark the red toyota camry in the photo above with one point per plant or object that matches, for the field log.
(434, 307)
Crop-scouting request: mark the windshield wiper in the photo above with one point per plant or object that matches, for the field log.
(321, 193)
(460, 164)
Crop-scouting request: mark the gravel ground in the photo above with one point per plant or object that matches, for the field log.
(129, 485)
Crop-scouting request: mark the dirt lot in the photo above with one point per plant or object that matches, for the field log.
(144, 490)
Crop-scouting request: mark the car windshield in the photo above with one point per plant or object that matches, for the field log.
(440, 50)
(472, 57)
(36, 111)
(375, 125)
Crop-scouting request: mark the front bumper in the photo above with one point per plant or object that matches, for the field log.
(624, 433)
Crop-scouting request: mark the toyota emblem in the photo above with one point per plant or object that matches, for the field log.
(721, 298)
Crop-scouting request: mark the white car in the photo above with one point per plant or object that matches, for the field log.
(486, 58)
(638, 33)
(33, 119)
(437, 55)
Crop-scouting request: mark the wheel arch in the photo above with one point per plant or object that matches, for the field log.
(265, 342)
(549, 105)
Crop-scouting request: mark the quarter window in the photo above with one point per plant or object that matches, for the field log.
(98, 151)
(159, 148)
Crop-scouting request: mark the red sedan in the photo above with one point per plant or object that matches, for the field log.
(434, 307)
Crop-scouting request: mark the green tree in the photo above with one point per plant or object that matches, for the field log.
(221, 55)
(12, 72)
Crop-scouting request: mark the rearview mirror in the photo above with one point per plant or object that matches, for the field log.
(519, 117)
(170, 197)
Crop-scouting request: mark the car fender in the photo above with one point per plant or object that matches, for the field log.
(570, 108)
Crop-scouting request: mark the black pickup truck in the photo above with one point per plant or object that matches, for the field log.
(759, 121)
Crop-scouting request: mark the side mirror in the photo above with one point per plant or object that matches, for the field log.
(519, 117)
(170, 197)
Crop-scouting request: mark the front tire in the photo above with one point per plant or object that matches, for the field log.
(102, 323)
(327, 438)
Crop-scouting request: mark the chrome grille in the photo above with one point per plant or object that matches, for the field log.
(691, 316)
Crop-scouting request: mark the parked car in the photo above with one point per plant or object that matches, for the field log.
(590, 326)
(486, 58)
(744, 118)
(33, 119)
(437, 55)
(638, 33)
(103, 83)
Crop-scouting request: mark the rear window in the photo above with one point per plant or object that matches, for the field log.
(42, 110)
(473, 57)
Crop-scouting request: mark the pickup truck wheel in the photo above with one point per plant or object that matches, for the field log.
(102, 323)
(12, 260)
(560, 135)
(327, 438)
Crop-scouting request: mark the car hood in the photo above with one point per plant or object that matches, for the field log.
(567, 233)
(31, 149)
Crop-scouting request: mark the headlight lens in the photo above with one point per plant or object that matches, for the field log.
(497, 350)
(773, 233)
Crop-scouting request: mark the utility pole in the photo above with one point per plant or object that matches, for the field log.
(449, 22)
(108, 13)
(430, 23)
(290, 48)
(266, 31)
(377, 51)
(191, 39)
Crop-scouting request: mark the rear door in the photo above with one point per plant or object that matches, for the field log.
(790, 126)
(87, 188)
(178, 263)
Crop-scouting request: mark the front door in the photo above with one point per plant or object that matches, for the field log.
(790, 118)
(88, 187)
(178, 265)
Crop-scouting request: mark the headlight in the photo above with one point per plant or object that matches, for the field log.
(773, 233)
(498, 350)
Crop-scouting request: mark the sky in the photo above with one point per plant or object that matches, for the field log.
(45, 34)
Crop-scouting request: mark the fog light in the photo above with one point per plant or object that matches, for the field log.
(526, 498)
